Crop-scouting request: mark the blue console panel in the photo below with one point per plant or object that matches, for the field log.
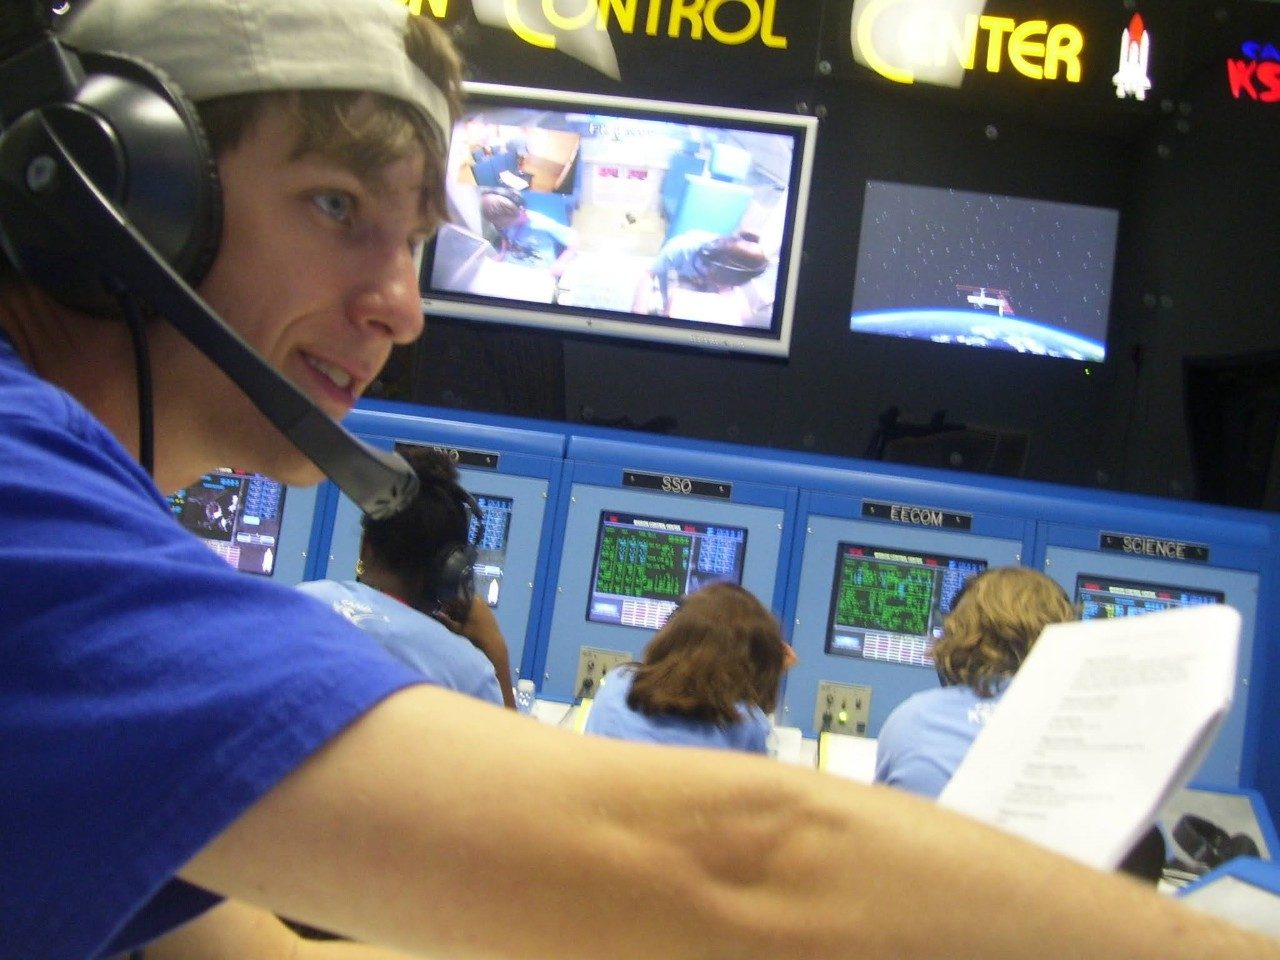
(519, 468)
(871, 579)
(625, 496)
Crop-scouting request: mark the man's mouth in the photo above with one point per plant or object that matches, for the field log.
(335, 375)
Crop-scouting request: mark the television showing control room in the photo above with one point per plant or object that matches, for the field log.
(678, 223)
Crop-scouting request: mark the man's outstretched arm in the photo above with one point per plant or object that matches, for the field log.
(440, 825)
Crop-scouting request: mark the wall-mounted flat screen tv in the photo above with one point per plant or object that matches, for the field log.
(643, 219)
(985, 270)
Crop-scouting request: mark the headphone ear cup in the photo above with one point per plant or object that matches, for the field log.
(1208, 844)
(1240, 845)
(454, 579)
(141, 143)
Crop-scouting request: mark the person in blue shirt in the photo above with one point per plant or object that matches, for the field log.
(709, 677)
(996, 619)
(527, 236)
(414, 588)
(189, 752)
(705, 262)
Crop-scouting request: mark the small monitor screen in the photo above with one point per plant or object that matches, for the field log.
(237, 515)
(644, 565)
(985, 270)
(888, 604)
(491, 548)
(1101, 597)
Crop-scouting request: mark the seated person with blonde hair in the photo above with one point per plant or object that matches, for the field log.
(709, 677)
(995, 620)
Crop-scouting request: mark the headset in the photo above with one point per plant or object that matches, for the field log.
(1207, 845)
(451, 582)
(107, 186)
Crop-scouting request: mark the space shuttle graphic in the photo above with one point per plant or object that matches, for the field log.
(982, 297)
(1131, 79)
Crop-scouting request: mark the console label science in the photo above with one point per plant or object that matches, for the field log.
(537, 22)
(1159, 547)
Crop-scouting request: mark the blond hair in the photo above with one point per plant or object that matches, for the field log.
(997, 618)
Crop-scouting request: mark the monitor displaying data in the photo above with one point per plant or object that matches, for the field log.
(491, 546)
(237, 515)
(887, 604)
(644, 565)
(1101, 597)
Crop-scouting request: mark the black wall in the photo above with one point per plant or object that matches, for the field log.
(1195, 300)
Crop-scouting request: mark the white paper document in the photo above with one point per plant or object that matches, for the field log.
(847, 756)
(1105, 719)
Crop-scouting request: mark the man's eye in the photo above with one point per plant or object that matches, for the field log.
(335, 205)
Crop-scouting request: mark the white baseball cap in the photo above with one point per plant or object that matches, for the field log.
(213, 48)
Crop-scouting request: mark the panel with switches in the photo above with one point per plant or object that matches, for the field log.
(842, 708)
(593, 664)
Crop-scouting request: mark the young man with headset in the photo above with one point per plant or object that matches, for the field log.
(189, 752)
(414, 590)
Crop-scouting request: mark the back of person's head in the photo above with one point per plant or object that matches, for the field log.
(721, 647)
(501, 207)
(411, 543)
(997, 617)
(733, 260)
(233, 58)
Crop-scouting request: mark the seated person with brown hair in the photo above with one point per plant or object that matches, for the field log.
(709, 677)
(527, 236)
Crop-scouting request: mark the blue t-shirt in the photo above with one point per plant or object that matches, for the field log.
(678, 256)
(444, 658)
(610, 716)
(538, 237)
(925, 737)
(149, 693)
